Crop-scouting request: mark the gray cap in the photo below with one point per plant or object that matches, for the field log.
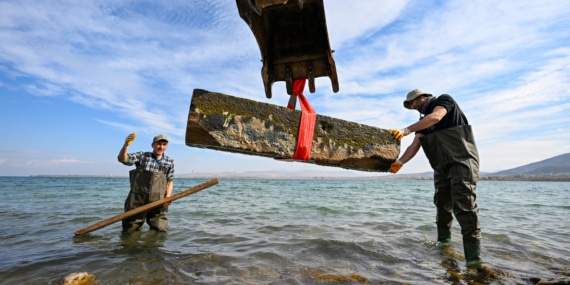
(413, 95)
(160, 138)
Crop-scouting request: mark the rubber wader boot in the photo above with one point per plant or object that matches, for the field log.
(472, 254)
(443, 236)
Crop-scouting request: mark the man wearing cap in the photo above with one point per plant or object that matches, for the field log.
(445, 135)
(151, 180)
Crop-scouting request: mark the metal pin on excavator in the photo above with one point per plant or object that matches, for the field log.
(293, 40)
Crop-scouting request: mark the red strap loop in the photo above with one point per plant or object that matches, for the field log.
(307, 124)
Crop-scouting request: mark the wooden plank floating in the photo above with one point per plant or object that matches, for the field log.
(146, 207)
(226, 123)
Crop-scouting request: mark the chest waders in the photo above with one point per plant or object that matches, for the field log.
(146, 187)
(453, 155)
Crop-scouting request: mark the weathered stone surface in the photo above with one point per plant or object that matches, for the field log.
(222, 122)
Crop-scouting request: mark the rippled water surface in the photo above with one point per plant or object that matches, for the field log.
(257, 231)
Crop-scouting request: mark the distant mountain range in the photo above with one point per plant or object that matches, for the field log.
(552, 169)
(552, 166)
(555, 168)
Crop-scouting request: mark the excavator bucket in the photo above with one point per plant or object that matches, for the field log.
(293, 40)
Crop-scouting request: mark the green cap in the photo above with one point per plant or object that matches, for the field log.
(160, 138)
(413, 95)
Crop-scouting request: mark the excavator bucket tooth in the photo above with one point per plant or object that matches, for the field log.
(334, 83)
(292, 102)
(293, 40)
(267, 86)
(311, 78)
(288, 81)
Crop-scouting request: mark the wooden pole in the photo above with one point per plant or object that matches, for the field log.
(147, 207)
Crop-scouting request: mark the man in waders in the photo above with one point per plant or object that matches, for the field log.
(448, 142)
(151, 180)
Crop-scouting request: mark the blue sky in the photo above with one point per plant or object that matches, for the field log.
(77, 76)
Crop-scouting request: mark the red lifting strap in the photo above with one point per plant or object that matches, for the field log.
(307, 124)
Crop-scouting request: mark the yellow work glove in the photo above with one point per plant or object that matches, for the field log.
(399, 134)
(395, 167)
(129, 139)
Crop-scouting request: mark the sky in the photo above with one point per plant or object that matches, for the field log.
(76, 77)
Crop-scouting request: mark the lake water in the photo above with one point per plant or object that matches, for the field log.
(263, 231)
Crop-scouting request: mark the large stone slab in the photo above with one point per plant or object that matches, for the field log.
(227, 123)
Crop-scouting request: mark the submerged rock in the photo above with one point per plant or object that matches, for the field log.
(79, 278)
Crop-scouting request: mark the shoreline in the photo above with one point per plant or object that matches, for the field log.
(542, 178)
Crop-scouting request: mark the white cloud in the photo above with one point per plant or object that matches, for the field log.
(506, 62)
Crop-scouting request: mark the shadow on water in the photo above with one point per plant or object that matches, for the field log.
(143, 239)
(138, 258)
